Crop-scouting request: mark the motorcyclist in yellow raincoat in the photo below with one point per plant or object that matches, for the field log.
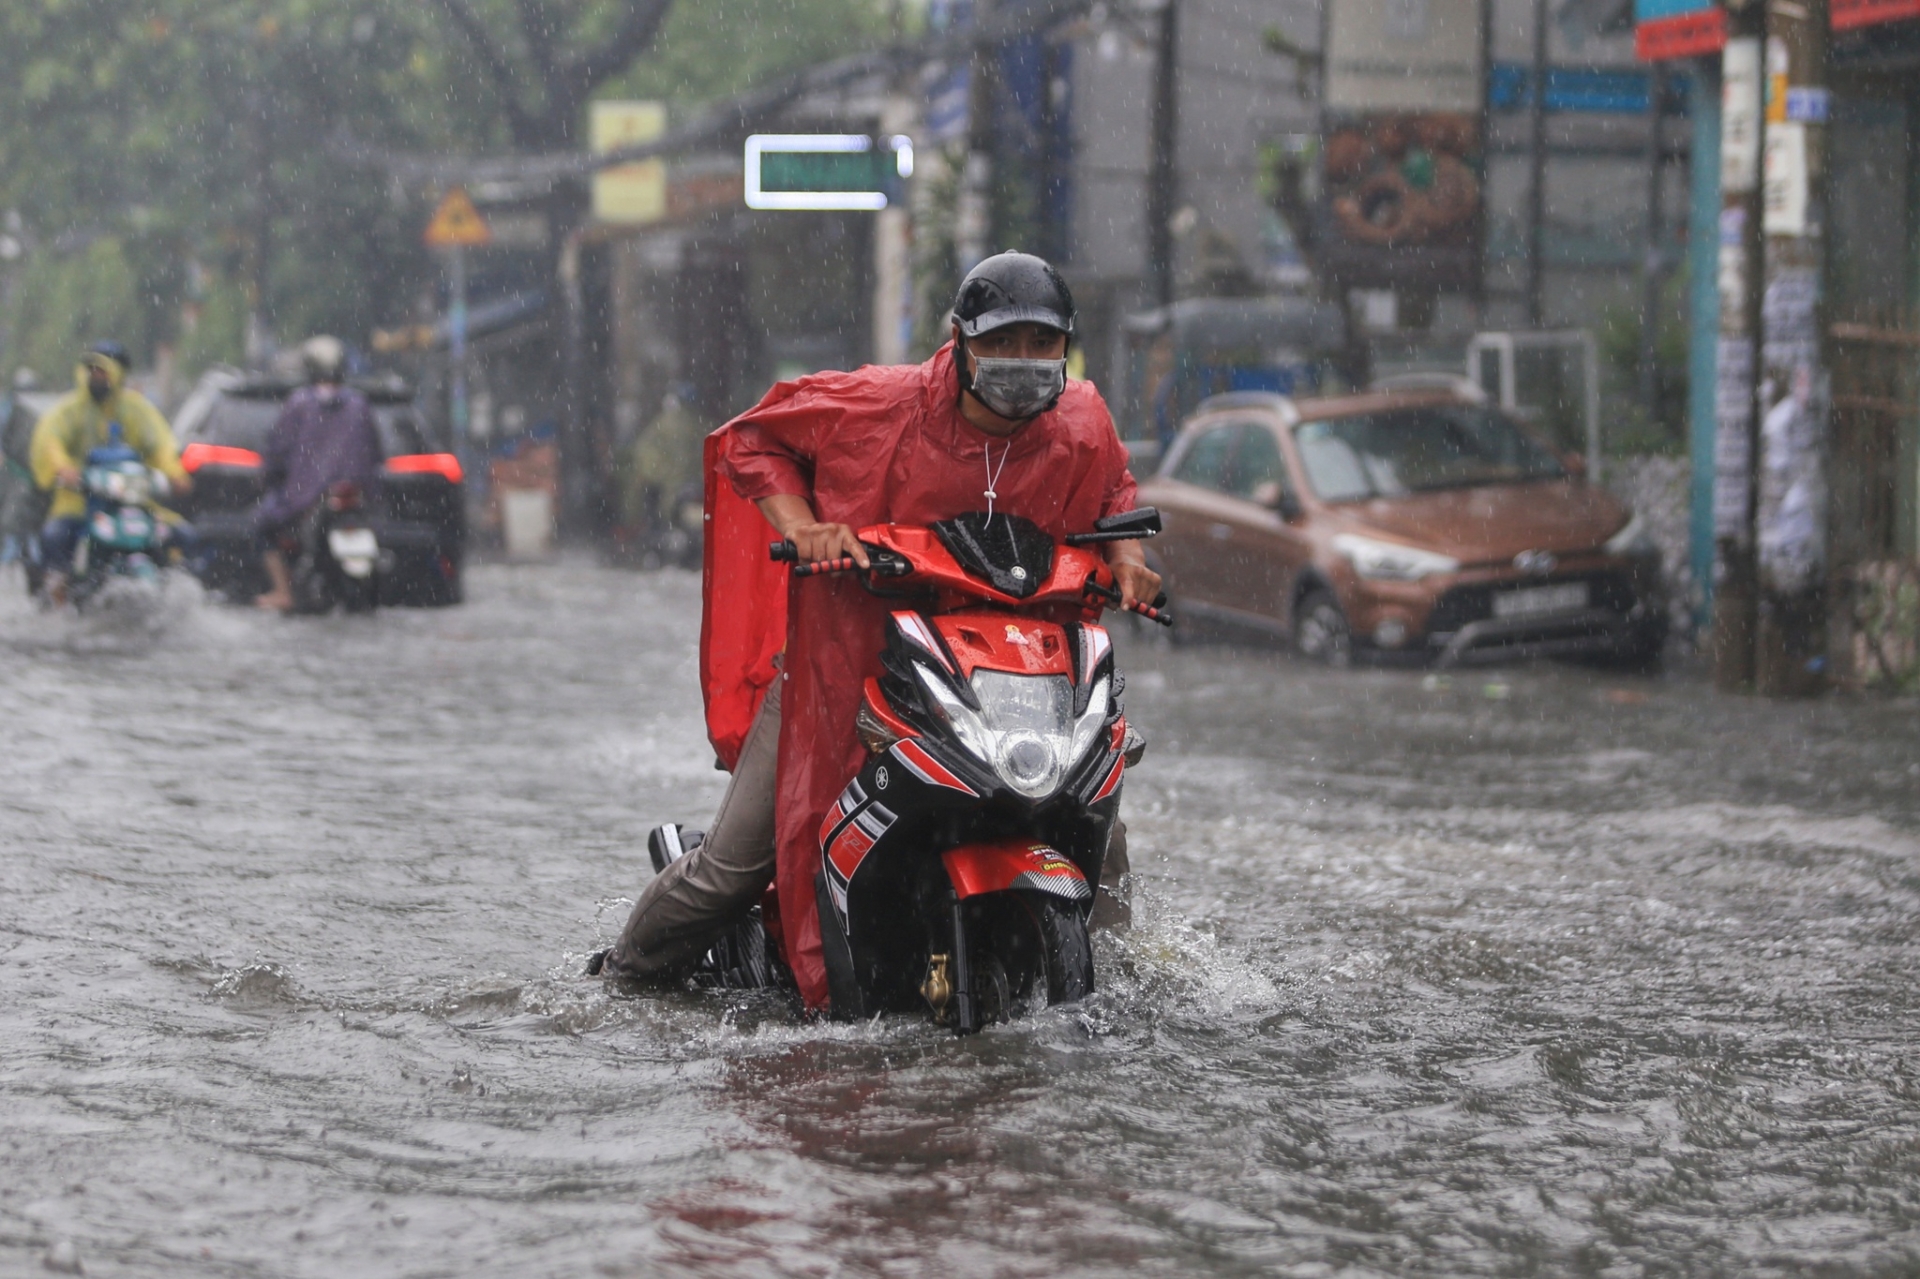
(80, 423)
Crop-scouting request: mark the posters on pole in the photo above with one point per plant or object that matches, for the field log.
(1784, 185)
(1740, 115)
(1402, 201)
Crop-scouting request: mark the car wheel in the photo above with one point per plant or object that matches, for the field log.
(1320, 631)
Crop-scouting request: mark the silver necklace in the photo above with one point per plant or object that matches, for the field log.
(993, 473)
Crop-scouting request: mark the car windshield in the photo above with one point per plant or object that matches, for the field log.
(1418, 450)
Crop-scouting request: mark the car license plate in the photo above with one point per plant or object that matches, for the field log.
(1539, 601)
(352, 544)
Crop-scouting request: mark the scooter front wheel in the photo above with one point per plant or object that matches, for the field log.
(1026, 950)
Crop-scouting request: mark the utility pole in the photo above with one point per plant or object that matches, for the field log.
(973, 219)
(1650, 264)
(1537, 174)
(1736, 425)
(1163, 175)
(1790, 642)
(457, 352)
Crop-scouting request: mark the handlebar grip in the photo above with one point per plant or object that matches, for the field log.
(1153, 612)
(841, 565)
(783, 552)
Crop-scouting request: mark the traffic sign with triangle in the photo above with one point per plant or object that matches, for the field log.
(457, 224)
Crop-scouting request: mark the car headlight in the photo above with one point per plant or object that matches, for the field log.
(1025, 729)
(1391, 561)
(1634, 539)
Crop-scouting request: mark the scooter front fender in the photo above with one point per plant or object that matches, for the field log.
(1001, 865)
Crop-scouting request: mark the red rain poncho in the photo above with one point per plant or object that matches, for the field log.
(875, 446)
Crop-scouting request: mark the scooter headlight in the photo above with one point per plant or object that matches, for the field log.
(125, 485)
(1025, 729)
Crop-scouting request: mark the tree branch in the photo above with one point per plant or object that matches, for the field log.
(523, 126)
(636, 33)
(536, 28)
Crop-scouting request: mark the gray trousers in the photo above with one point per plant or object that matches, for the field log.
(687, 906)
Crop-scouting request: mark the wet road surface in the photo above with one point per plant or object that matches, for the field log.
(1530, 972)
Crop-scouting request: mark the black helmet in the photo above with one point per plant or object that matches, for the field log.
(1012, 288)
(112, 350)
(324, 358)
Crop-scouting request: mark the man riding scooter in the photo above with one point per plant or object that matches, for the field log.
(325, 436)
(990, 422)
(101, 407)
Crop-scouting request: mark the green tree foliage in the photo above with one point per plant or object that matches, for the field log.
(713, 50)
(171, 166)
(1628, 426)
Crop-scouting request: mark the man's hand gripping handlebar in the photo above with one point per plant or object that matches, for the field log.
(785, 552)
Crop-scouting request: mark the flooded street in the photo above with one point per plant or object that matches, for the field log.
(1532, 971)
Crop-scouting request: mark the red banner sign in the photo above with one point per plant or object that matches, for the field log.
(1846, 15)
(1684, 35)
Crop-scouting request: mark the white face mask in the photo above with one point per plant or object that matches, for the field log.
(1018, 388)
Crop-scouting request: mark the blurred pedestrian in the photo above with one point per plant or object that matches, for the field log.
(660, 472)
(22, 504)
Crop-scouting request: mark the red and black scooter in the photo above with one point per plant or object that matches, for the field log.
(958, 868)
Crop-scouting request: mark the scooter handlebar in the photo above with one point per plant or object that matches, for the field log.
(787, 553)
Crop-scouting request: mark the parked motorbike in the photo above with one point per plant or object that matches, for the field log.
(337, 557)
(122, 538)
(958, 867)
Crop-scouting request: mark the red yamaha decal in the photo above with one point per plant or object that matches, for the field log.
(848, 848)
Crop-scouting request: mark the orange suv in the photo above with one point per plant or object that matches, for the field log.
(1413, 522)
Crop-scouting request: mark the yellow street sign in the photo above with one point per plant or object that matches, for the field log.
(457, 224)
(629, 194)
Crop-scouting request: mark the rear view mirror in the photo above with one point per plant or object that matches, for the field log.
(1124, 527)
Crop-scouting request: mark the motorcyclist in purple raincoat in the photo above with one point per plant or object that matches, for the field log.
(325, 436)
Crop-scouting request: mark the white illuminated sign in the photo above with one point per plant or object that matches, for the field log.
(774, 159)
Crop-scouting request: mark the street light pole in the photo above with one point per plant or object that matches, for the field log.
(457, 353)
(1163, 176)
(1537, 174)
(973, 218)
(1650, 265)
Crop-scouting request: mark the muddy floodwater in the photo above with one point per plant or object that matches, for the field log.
(1535, 971)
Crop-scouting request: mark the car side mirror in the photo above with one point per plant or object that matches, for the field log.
(1273, 495)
